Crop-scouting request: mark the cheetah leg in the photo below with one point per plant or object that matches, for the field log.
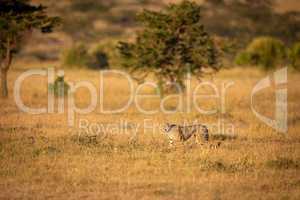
(196, 139)
(171, 143)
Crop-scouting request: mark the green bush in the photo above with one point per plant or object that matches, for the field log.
(294, 56)
(266, 52)
(243, 58)
(98, 59)
(109, 47)
(76, 56)
(79, 56)
(59, 87)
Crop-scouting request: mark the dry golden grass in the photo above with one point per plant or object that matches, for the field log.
(42, 158)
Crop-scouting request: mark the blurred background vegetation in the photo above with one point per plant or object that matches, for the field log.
(251, 32)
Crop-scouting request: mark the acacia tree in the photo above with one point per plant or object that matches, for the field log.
(17, 18)
(171, 43)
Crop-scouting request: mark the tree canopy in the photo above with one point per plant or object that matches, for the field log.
(18, 17)
(172, 42)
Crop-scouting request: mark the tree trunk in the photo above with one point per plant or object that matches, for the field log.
(4, 66)
(4, 89)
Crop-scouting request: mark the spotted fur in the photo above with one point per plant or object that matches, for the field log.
(184, 133)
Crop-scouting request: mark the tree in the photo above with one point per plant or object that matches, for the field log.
(171, 43)
(17, 19)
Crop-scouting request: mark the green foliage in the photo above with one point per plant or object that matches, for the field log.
(59, 87)
(79, 56)
(243, 58)
(98, 59)
(108, 46)
(17, 17)
(172, 43)
(294, 56)
(76, 56)
(266, 52)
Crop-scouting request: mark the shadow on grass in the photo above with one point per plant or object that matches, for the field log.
(242, 165)
(283, 163)
(49, 150)
(223, 137)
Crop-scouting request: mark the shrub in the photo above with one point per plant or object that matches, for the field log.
(108, 46)
(294, 56)
(98, 59)
(59, 87)
(266, 52)
(243, 58)
(79, 56)
(76, 56)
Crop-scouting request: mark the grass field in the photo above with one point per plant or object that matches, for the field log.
(41, 157)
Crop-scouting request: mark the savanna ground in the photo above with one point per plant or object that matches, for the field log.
(42, 158)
